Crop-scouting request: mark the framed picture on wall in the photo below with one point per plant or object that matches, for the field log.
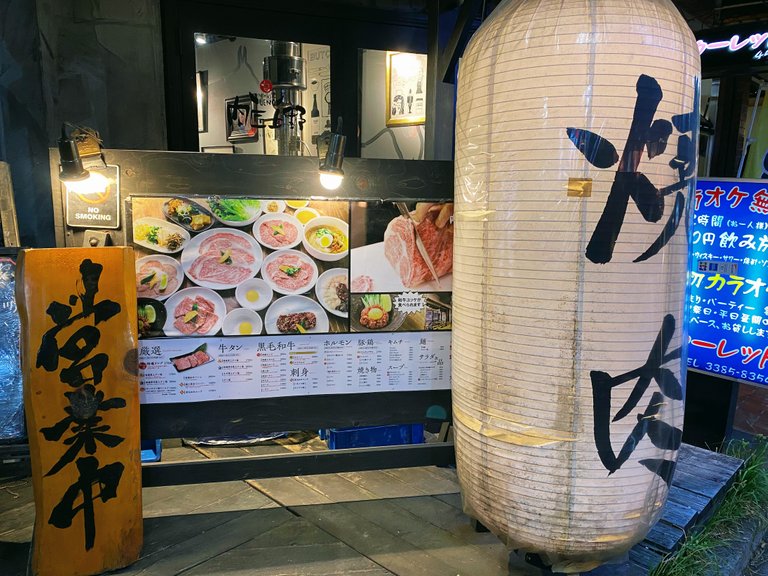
(241, 119)
(406, 88)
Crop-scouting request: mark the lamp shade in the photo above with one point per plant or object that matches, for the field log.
(72, 169)
(576, 134)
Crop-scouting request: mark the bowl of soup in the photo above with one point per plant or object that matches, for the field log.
(326, 238)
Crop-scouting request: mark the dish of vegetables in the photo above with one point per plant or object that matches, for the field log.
(235, 211)
(187, 214)
(159, 235)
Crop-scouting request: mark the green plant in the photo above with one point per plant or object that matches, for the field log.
(745, 501)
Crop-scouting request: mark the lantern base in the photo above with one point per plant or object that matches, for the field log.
(534, 565)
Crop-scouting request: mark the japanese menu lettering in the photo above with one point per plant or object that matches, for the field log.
(245, 297)
(728, 305)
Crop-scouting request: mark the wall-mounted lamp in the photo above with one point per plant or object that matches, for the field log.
(331, 174)
(72, 148)
(71, 165)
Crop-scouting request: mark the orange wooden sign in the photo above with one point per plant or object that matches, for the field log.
(79, 336)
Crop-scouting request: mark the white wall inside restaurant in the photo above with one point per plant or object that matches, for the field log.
(318, 57)
(377, 140)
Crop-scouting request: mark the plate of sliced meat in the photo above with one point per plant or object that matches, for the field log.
(158, 276)
(289, 272)
(221, 258)
(197, 357)
(296, 315)
(194, 312)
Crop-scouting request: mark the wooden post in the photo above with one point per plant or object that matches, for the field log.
(79, 335)
(8, 221)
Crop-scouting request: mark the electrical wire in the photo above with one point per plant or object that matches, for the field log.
(307, 147)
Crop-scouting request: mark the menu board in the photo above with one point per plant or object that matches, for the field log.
(184, 370)
(728, 303)
(275, 279)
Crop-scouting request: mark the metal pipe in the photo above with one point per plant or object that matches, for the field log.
(285, 68)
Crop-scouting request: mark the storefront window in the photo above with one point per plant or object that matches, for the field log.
(249, 108)
(393, 105)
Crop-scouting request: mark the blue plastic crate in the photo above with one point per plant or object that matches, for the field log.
(151, 450)
(375, 436)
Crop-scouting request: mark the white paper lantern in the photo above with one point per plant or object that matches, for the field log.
(576, 137)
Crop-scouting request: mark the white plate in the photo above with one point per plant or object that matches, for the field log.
(192, 252)
(292, 305)
(283, 218)
(304, 258)
(265, 294)
(255, 213)
(322, 282)
(219, 308)
(163, 260)
(231, 326)
(166, 227)
(265, 205)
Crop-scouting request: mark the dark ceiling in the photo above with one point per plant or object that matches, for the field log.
(700, 14)
(703, 14)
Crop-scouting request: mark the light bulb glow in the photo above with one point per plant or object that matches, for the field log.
(95, 184)
(407, 65)
(330, 181)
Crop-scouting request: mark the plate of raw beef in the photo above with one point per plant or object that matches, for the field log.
(194, 312)
(198, 357)
(221, 258)
(397, 264)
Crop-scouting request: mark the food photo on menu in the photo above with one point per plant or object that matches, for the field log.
(210, 265)
(197, 357)
(375, 312)
(401, 246)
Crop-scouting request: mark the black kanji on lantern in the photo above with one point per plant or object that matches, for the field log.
(661, 434)
(650, 135)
